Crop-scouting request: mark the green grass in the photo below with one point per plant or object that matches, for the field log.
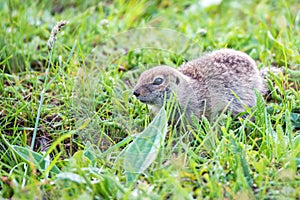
(88, 116)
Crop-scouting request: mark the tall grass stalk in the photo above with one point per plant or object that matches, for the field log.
(51, 43)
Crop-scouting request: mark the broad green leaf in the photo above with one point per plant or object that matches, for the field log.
(139, 154)
(33, 157)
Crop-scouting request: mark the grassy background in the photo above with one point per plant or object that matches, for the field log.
(88, 106)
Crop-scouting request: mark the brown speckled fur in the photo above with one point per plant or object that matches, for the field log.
(218, 80)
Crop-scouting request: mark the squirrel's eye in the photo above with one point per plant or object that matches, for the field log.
(158, 81)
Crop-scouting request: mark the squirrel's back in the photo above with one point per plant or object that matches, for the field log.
(226, 64)
(229, 77)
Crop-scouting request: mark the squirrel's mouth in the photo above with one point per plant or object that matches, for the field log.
(147, 100)
(143, 101)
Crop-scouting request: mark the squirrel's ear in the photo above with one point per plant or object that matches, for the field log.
(177, 80)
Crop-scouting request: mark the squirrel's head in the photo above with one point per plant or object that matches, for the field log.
(157, 84)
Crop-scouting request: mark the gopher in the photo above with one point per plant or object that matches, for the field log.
(221, 80)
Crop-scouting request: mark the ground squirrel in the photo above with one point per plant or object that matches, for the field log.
(222, 79)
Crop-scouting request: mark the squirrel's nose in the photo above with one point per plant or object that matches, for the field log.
(136, 93)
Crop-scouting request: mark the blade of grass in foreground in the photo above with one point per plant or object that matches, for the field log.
(140, 154)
